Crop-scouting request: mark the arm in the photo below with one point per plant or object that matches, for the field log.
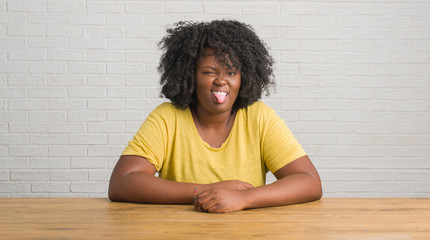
(133, 180)
(297, 182)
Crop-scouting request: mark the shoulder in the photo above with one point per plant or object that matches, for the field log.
(259, 109)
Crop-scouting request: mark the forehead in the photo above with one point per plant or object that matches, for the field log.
(208, 56)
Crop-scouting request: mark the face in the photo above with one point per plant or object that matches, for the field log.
(217, 86)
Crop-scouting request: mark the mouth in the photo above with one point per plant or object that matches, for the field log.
(220, 96)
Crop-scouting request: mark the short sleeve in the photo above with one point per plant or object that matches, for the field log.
(150, 140)
(279, 146)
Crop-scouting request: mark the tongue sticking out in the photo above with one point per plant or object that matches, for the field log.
(220, 97)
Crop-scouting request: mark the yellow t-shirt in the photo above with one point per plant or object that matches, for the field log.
(259, 141)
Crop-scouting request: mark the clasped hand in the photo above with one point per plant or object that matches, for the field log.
(225, 196)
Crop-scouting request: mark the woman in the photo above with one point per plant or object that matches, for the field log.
(214, 143)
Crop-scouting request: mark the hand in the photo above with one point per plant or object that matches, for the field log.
(221, 200)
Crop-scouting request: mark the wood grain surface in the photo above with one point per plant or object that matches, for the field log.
(90, 218)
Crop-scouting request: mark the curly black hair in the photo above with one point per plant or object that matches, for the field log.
(231, 40)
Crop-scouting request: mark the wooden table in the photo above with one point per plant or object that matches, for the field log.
(84, 218)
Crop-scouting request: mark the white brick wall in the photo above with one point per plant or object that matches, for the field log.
(77, 78)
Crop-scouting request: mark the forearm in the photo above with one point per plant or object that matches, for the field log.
(145, 188)
(295, 188)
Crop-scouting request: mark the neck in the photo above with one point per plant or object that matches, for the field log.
(212, 120)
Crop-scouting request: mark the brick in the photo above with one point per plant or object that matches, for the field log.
(317, 21)
(86, 19)
(392, 22)
(106, 127)
(126, 19)
(53, 92)
(265, 8)
(106, 104)
(85, 68)
(49, 163)
(11, 43)
(68, 175)
(46, 67)
(26, 6)
(13, 67)
(48, 139)
(88, 139)
(89, 187)
(88, 92)
(105, 32)
(66, 104)
(104, 151)
(13, 187)
(13, 18)
(51, 116)
(105, 81)
(105, 56)
(66, 6)
(100, 175)
(29, 175)
(222, 8)
(125, 92)
(4, 175)
(46, 18)
(142, 56)
(66, 128)
(28, 151)
(50, 187)
(119, 138)
(10, 162)
(145, 7)
(86, 116)
(89, 162)
(27, 127)
(294, 8)
(13, 92)
(125, 115)
(66, 55)
(45, 42)
(13, 139)
(126, 44)
(105, 7)
(26, 80)
(92, 43)
(64, 31)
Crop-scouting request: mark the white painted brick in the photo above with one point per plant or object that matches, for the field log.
(222, 8)
(89, 162)
(86, 116)
(100, 175)
(125, 19)
(44, 42)
(317, 21)
(4, 175)
(86, 68)
(10, 43)
(64, 31)
(87, 139)
(145, 7)
(28, 151)
(89, 187)
(119, 138)
(298, 57)
(337, 10)
(317, 69)
(38, 18)
(264, 8)
(106, 127)
(126, 44)
(317, 93)
(337, 34)
(50, 116)
(13, 139)
(16, 187)
(26, 6)
(66, 127)
(105, 56)
(83, 43)
(106, 104)
(49, 163)
(422, 187)
(86, 92)
(27, 127)
(412, 10)
(48, 139)
(374, 9)
(105, 31)
(13, 162)
(104, 151)
(66, 55)
(13, 92)
(29, 175)
(329, 58)
(27, 54)
(92, 19)
(422, 22)
(13, 18)
(68, 175)
(66, 104)
(392, 22)
(64, 6)
(105, 7)
(46, 67)
(52, 92)
(26, 80)
(50, 187)
(304, 104)
(13, 67)
(125, 92)
(65, 80)
(142, 56)
(126, 115)
(294, 8)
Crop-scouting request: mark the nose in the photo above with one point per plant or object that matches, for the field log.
(221, 79)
